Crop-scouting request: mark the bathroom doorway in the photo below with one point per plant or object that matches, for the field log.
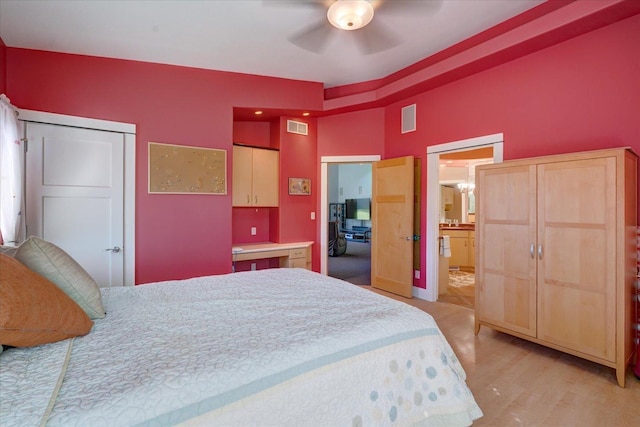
(457, 224)
(436, 280)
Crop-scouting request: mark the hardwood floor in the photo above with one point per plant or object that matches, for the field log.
(518, 383)
(461, 290)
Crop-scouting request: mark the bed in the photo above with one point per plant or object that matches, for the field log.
(278, 347)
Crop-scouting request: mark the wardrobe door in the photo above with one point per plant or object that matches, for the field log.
(576, 255)
(505, 233)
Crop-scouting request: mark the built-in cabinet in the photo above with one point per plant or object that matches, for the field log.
(255, 177)
(556, 255)
(462, 244)
(290, 255)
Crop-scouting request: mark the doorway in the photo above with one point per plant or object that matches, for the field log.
(349, 193)
(433, 216)
(457, 224)
(325, 162)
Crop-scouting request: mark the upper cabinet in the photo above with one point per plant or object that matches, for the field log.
(255, 177)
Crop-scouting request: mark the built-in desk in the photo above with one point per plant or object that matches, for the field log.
(291, 255)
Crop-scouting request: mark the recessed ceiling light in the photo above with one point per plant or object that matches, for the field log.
(257, 113)
(305, 114)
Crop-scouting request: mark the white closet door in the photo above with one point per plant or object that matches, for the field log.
(75, 195)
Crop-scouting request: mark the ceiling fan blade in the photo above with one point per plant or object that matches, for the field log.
(399, 7)
(313, 4)
(314, 38)
(376, 37)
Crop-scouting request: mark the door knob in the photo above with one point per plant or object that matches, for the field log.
(114, 249)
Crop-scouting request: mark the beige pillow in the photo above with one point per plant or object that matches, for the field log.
(33, 310)
(53, 263)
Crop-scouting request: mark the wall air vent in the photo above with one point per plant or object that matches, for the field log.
(297, 127)
(409, 118)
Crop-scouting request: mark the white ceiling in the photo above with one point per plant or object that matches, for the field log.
(248, 36)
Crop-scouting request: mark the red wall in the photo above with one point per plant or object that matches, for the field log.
(177, 236)
(256, 134)
(581, 94)
(351, 134)
(298, 159)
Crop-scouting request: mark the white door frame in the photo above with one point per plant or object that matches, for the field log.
(324, 199)
(433, 199)
(129, 131)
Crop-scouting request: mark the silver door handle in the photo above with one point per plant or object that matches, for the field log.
(114, 249)
(539, 251)
(408, 238)
(532, 251)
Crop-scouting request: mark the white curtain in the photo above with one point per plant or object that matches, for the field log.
(12, 224)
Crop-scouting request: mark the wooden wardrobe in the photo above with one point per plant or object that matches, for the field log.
(556, 257)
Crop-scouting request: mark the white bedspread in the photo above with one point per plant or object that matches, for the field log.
(272, 347)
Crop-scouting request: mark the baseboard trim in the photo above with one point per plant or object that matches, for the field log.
(420, 293)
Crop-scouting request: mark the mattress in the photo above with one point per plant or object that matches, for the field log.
(281, 347)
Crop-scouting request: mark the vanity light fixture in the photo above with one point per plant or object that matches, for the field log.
(350, 14)
(465, 187)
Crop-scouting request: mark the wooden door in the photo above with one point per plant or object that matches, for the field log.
(242, 176)
(392, 225)
(506, 239)
(75, 196)
(576, 259)
(265, 182)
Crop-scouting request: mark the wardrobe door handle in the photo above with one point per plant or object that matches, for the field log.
(540, 252)
(532, 251)
(248, 199)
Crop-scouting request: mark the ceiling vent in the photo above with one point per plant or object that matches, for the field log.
(409, 118)
(297, 127)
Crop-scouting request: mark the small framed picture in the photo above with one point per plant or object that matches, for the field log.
(300, 186)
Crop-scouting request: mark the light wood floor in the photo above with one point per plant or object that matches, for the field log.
(518, 383)
(464, 296)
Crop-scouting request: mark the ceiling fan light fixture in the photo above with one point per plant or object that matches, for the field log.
(350, 14)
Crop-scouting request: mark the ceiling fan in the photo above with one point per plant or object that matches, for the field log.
(360, 20)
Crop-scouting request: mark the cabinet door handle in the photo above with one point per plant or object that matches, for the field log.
(256, 198)
(532, 251)
(248, 199)
(540, 252)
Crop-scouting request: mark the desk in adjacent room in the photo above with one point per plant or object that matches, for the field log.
(291, 255)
